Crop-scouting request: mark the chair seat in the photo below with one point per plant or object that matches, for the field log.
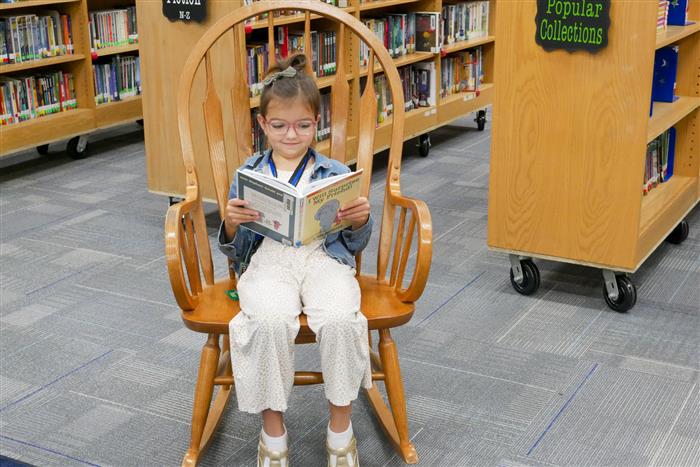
(380, 305)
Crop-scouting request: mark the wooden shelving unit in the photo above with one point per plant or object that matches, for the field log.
(165, 170)
(88, 116)
(570, 138)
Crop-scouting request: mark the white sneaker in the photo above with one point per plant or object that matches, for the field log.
(342, 455)
(274, 458)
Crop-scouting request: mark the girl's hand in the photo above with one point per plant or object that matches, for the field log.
(236, 214)
(357, 212)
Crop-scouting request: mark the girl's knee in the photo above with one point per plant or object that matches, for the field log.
(338, 324)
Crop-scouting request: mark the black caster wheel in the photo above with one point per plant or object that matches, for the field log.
(531, 278)
(424, 145)
(77, 149)
(480, 120)
(140, 121)
(43, 149)
(627, 297)
(174, 200)
(679, 234)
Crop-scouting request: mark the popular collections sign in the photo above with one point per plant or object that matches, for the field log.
(573, 24)
(185, 10)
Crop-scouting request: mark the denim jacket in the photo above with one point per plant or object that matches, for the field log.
(341, 246)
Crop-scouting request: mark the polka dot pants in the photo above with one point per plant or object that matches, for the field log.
(279, 283)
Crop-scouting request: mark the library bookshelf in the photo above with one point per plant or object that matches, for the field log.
(73, 125)
(570, 136)
(163, 65)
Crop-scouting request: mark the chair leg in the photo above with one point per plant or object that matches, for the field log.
(204, 389)
(394, 421)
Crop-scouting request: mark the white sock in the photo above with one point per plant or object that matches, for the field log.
(275, 443)
(338, 441)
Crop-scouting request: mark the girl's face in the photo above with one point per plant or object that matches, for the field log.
(290, 127)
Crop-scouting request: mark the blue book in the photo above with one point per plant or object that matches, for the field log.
(671, 152)
(665, 69)
(677, 13)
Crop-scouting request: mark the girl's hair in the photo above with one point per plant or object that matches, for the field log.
(288, 87)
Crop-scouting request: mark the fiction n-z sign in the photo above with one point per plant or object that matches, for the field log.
(573, 24)
(185, 10)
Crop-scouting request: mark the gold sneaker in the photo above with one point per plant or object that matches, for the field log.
(341, 455)
(276, 457)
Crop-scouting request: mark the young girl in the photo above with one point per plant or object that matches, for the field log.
(278, 282)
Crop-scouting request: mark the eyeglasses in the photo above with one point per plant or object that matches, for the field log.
(301, 127)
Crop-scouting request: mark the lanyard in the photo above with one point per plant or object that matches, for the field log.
(296, 175)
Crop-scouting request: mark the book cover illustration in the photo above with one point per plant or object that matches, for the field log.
(665, 69)
(319, 217)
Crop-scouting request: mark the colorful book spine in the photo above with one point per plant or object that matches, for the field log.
(34, 37)
(28, 97)
(116, 78)
(112, 28)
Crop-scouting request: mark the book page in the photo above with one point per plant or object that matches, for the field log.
(274, 181)
(324, 182)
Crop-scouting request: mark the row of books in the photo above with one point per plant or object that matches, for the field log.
(462, 72)
(418, 85)
(672, 13)
(464, 21)
(278, 13)
(397, 32)
(25, 98)
(33, 37)
(659, 160)
(117, 79)
(110, 28)
(323, 54)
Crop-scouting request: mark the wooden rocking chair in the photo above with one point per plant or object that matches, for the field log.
(385, 301)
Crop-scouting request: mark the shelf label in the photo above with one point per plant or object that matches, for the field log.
(185, 10)
(572, 25)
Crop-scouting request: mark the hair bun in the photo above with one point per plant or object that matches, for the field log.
(296, 61)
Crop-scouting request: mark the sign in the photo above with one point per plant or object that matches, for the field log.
(185, 10)
(573, 24)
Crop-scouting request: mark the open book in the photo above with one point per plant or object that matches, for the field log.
(297, 216)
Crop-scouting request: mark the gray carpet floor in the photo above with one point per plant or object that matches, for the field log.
(97, 368)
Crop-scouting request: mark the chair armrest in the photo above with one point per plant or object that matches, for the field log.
(424, 253)
(177, 249)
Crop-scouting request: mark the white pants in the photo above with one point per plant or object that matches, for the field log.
(279, 283)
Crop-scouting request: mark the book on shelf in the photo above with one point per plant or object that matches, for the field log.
(291, 11)
(323, 131)
(464, 21)
(659, 160)
(428, 32)
(35, 36)
(665, 70)
(426, 84)
(292, 215)
(417, 83)
(395, 31)
(116, 78)
(678, 12)
(462, 72)
(33, 96)
(111, 28)
(662, 15)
